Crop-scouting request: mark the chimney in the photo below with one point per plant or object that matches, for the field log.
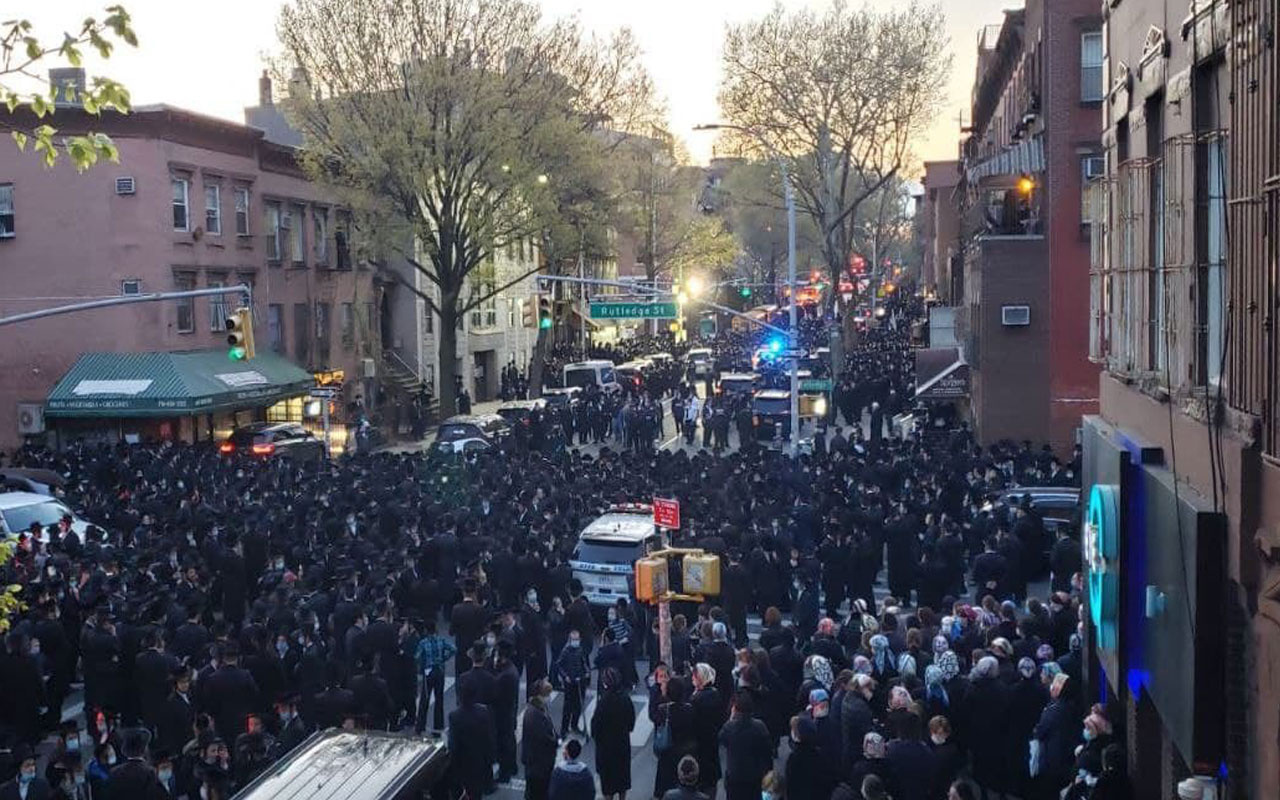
(70, 85)
(299, 83)
(264, 89)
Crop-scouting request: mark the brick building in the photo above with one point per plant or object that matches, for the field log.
(195, 202)
(941, 230)
(1022, 285)
(1183, 457)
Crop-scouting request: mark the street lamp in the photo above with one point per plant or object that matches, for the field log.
(695, 285)
(789, 197)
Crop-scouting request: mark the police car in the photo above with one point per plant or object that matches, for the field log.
(604, 558)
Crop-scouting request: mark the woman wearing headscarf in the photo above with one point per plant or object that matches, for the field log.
(817, 675)
(709, 717)
(808, 772)
(884, 667)
(937, 701)
(682, 739)
(1027, 699)
(872, 762)
(611, 725)
(985, 725)
(1055, 736)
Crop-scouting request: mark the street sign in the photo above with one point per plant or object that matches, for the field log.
(816, 385)
(666, 513)
(798, 352)
(663, 310)
(326, 392)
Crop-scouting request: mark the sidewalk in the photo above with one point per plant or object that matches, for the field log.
(423, 445)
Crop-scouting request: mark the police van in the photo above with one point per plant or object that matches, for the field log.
(604, 558)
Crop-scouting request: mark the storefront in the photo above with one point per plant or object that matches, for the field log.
(1155, 555)
(183, 397)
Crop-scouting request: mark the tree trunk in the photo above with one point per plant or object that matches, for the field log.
(448, 351)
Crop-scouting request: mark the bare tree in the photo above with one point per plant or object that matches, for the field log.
(444, 120)
(841, 95)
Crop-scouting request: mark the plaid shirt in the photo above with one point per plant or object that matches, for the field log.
(433, 652)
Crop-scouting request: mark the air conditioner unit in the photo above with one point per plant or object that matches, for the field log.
(368, 368)
(130, 286)
(30, 419)
(125, 185)
(1015, 315)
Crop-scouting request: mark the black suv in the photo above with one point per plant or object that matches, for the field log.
(273, 440)
(771, 413)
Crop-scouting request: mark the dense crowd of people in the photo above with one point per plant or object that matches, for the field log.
(221, 609)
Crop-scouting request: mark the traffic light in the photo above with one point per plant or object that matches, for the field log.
(1026, 185)
(240, 335)
(746, 291)
(529, 312)
(544, 312)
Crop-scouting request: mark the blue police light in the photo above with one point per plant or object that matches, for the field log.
(775, 346)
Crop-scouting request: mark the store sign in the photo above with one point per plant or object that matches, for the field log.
(1102, 558)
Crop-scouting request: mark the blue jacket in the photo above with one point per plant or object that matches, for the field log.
(572, 780)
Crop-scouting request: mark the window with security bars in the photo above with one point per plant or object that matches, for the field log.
(219, 309)
(7, 229)
(484, 315)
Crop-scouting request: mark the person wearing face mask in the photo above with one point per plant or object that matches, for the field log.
(575, 677)
(1054, 738)
(99, 769)
(134, 777)
(26, 785)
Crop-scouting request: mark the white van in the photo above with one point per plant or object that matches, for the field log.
(604, 559)
(592, 373)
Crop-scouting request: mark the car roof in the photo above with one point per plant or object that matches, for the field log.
(599, 362)
(700, 350)
(772, 394)
(620, 527)
(472, 419)
(639, 363)
(1041, 492)
(523, 405)
(20, 499)
(659, 356)
(562, 390)
(739, 376)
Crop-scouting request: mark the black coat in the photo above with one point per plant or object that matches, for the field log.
(913, 766)
(748, 750)
(809, 773)
(473, 764)
(174, 723)
(23, 694)
(856, 721)
(231, 695)
(709, 717)
(538, 742)
(986, 730)
(467, 623)
(38, 790)
(151, 676)
(135, 779)
(611, 725)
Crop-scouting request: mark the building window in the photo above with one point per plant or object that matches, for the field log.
(185, 282)
(219, 310)
(1214, 294)
(298, 234)
(130, 286)
(302, 333)
(1092, 167)
(181, 204)
(320, 230)
(428, 318)
(1091, 67)
(242, 211)
(322, 320)
(348, 324)
(276, 222)
(342, 241)
(7, 230)
(213, 209)
(275, 327)
(484, 315)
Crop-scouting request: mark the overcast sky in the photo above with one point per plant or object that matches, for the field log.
(207, 56)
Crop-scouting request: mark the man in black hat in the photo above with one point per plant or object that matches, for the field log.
(173, 726)
(230, 693)
(152, 671)
(134, 777)
(27, 784)
(467, 623)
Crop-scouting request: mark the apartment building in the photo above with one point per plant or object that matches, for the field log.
(1182, 460)
(194, 202)
(1024, 231)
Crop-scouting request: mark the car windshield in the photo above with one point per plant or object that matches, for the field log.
(607, 376)
(737, 384)
(247, 436)
(605, 551)
(493, 426)
(449, 433)
(581, 378)
(46, 513)
(770, 405)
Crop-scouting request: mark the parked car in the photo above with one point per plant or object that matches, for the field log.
(700, 363)
(771, 413)
(22, 479)
(565, 397)
(634, 373)
(18, 510)
(737, 383)
(274, 440)
(519, 412)
(465, 433)
(592, 373)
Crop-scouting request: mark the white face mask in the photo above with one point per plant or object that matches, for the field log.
(938, 740)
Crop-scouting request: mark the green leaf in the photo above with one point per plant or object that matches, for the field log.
(39, 106)
(33, 47)
(21, 139)
(11, 102)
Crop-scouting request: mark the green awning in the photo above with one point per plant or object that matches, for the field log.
(172, 384)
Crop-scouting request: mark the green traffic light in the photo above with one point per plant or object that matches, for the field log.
(544, 323)
(746, 291)
(236, 354)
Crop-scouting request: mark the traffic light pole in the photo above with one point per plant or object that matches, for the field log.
(108, 302)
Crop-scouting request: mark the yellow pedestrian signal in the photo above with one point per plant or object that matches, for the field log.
(240, 335)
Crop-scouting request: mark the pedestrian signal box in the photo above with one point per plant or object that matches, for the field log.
(651, 579)
(701, 574)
